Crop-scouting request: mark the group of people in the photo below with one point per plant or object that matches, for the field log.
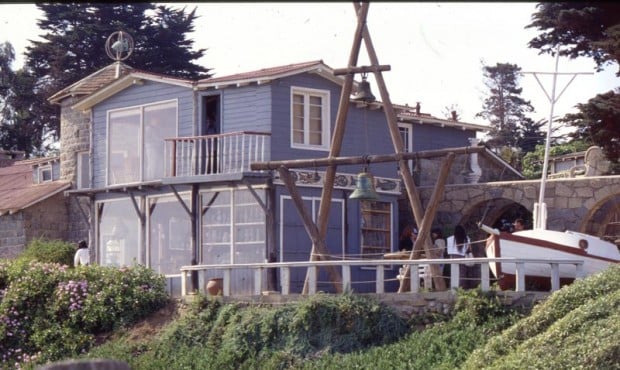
(457, 245)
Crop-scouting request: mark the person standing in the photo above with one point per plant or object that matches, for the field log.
(458, 245)
(407, 238)
(82, 256)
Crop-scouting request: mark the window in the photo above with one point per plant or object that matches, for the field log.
(376, 228)
(310, 124)
(83, 170)
(406, 133)
(45, 174)
(119, 233)
(136, 142)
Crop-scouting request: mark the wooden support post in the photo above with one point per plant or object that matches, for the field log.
(312, 230)
(425, 227)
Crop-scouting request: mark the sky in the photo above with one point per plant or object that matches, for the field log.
(436, 51)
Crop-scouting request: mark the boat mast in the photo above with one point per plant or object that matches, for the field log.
(540, 208)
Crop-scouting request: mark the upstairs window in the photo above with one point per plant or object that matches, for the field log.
(310, 126)
(136, 142)
(45, 174)
(83, 170)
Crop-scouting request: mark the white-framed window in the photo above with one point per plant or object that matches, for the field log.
(83, 170)
(310, 118)
(45, 174)
(136, 141)
(406, 133)
(118, 232)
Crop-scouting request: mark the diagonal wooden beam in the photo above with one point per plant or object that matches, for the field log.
(311, 228)
(412, 192)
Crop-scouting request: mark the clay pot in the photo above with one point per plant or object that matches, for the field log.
(214, 286)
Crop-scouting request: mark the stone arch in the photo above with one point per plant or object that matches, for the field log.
(600, 216)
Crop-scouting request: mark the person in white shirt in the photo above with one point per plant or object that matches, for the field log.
(82, 257)
(457, 247)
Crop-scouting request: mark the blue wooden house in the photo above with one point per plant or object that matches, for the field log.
(162, 168)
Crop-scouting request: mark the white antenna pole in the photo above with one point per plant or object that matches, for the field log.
(540, 209)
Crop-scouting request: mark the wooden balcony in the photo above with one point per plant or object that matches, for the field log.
(212, 155)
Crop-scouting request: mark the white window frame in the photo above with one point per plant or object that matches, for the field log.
(408, 145)
(80, 157)
(325, 117)
(140, 141)
(45, 169)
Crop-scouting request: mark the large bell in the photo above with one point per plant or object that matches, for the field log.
(364, 187)
(363, 93)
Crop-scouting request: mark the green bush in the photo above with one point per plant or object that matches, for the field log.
(50, 312)
(52, 251)
(572, 327)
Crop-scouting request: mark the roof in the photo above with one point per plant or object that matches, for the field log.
(17, 190)
(104, 83)
(271, 73)
(92, 82)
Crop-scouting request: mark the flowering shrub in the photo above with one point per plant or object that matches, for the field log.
(50, 312)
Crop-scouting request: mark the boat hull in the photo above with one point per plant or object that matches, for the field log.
(546, 244)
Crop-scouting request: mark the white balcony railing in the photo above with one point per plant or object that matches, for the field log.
(215, 154)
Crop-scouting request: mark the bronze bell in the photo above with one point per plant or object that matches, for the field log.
(364, 187)
(363, 92)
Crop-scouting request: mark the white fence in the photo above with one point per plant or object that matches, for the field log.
(379, 265)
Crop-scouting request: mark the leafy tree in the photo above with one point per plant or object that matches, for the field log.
(598, 122)
(74, 47)
(532, 161)
(588, 29)
(511, 130)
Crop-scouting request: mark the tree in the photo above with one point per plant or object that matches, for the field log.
(589, 29)
(506, 111)
(598, 122)
(74, 47)
(532, 161)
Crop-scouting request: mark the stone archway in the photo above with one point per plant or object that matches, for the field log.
(603, 220)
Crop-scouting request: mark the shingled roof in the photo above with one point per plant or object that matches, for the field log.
(92, 82)
(17, 190)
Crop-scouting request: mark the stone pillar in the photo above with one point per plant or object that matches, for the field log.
(474, 168)
(74, 138)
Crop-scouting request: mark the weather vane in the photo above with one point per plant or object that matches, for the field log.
(119, 46)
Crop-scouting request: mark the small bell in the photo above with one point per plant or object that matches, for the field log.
(363, 92)
(364, 187)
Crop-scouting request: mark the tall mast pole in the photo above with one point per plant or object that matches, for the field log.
(540, 209)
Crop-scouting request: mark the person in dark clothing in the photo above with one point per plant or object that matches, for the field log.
(407, 238)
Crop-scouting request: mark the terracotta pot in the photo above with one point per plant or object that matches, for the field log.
(214, 286)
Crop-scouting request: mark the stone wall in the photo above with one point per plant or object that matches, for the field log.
(47, 219)
(12, 236)
(75, 128)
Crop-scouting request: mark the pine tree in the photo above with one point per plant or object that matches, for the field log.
(506, 111)
(74, 47)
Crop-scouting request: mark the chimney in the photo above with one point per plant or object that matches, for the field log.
(454, 117)
(417, 108)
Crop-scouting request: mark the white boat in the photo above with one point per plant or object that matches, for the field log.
(596, 254)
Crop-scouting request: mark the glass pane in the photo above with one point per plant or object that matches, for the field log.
(169, 235)
(316, 138)
(119, 230)
(160, 122)
(83, 174)
(124, 147)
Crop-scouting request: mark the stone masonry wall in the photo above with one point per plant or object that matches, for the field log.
(47, 219)
(75, 129)
(12, 237)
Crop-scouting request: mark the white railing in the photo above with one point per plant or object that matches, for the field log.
(345, 266)
(215, 154)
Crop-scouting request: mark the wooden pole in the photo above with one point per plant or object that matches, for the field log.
(378, 158)
(412, 192)
(336, 144)
(311, 228)
(425, 228)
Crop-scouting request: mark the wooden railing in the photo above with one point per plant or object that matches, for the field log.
(345, 266)
(215, 154)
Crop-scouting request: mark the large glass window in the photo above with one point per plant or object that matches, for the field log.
(136, 142)
(83, 170)
(169, 234)
(119, 233)
(310, 125)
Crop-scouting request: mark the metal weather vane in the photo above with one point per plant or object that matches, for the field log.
(119, 46)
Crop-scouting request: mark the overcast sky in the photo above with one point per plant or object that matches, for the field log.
(435, 50)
